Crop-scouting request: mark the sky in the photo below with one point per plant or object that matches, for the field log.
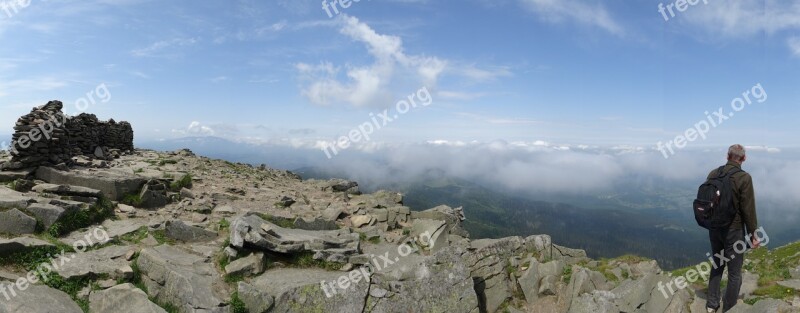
(540, 97)
(564, 73)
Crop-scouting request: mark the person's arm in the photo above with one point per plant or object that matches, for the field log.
(748, 205)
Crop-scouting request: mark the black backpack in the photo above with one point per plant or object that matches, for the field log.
(714, 207)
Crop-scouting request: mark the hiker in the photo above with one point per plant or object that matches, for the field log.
(724, 238)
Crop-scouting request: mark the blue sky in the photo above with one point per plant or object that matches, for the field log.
(563, 72)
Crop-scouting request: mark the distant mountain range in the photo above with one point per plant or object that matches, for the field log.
(646, 218)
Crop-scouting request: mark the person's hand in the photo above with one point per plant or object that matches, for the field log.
(755, 242)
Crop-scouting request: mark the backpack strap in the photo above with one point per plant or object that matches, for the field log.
(720, 173)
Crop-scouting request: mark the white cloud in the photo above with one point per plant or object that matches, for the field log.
(794, 45)
(153, 49)
(376, 84)
(576, 11)
(368, 85)
(195, 129)
(28, 85)
(763, 149)
(745, 18)
(457, 95)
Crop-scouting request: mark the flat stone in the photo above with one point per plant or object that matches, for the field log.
(10, 199)
(792, 283)
(9, 176)
(113, 184)
(178, 230)
(94, 263)
(315, 224)
(21, 244)
(37, 298)
(113, 229)
(334, 245)
(66, 190)
(125, 298)
(180, 278)
(300, 290)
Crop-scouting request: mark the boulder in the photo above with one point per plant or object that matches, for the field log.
(48, 214)
(112, 184)
(182, 279)
(250, 265)
(22, 244)
(66, 190)
(529, 281)
(301, 290)
(154, 195)
(36, 298)
(16, 223)
(487, 262)
(361, 220)
(94, 263)
(10, 199)
(335, 245)
(125, 298)
(9, 176)
(256, 301)
(109, 230)
(315, 223)
(178, 230)
(439, 283)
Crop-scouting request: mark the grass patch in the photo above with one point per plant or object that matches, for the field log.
(224, 224)
(161, 236)
(306, 260)
(183, 182)
(29, 260)
(567, 275)
(167, 161)
(132, 199)
(95, 214)
(135, 237)
(280, 221)
(71, 287)
(233, 279)
(237, 305)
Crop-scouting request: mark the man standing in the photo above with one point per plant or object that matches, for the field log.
(724, 239)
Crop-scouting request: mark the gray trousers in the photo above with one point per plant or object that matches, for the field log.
(725, 239)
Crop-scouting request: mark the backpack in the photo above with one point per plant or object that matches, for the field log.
(714, 207)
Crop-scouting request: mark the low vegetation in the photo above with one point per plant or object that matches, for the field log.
(95, 214)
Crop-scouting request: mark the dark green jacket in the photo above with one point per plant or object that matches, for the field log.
(744, 198)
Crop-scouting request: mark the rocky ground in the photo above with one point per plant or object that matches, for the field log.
(145, 231)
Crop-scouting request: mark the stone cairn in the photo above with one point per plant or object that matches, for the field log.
(47, 136)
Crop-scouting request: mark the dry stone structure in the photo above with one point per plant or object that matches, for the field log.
(47, 136)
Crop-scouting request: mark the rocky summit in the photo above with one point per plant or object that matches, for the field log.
(133, 230)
